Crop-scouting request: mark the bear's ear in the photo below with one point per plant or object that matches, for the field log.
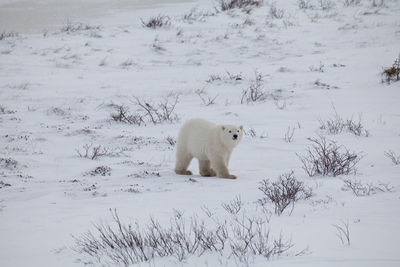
(241, 127)
(223, 128)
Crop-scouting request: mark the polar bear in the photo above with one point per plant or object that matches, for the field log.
(211, 144)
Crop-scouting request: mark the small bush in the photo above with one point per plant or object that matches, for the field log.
(255, 92)
(71, 27)
(231, 4)
(326, 158)
(163, 111)
(289, 134)
(206, 98)
(171, 140)
(393, 157)
(234, 206)
(196, 15)
(123, 115)
(337, 125)
(343, 232)
(326, 5)
(157, 22)
(5, 35)
(253, 134)
(93, 152)
(392, 74)
(101, 171)
(284, 192)
(348, 3)
(276, 13)
(122, 244)
(8, 163)
(304, 4)
(3, 184)
(365, 189)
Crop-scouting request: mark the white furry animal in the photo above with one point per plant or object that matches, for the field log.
(211, 144)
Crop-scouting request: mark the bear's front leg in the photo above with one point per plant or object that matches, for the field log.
(205, 169)
(221, 169)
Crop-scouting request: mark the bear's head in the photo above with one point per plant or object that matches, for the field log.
(231, 135)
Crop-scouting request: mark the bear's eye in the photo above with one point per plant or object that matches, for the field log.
(230, 131)
(237, 130)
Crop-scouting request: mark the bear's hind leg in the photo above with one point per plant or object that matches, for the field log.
(205, 170)
(182, 163)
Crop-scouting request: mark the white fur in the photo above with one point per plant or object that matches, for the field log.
(211, 144)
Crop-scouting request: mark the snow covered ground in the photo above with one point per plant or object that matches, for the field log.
(59, 89)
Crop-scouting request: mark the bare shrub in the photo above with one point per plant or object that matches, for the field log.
(5, 35)
(251, 236)
(231, 4)
(289, 134)
(164, 111)
(284, 192)
(8, 163)
(4, 110)
(234, 206)
(255, 92)
(326, 4)
(252, 133)
(343, 232)
(393, 157)
(375, 4)
(392, 74)
(92, 152)
(276, 13)
(348, 3)
(157, 46)
(326, 158)
(196, 15)
(337, 125)
(205, 98)
(157, 22)
(127, 63)
(123, 115)
(324, 85)
(319, 68)
(213, 77)
(71, 27)
(100, 171)
(365, 189)
(2, 185)
(119, 243)
(171, 140)
(304, 4)
(234, 77)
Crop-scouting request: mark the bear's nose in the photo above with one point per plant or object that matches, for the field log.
(235, 136)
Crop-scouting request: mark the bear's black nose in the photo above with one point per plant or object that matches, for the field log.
(235, 136)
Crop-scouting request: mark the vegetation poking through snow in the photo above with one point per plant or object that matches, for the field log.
(158, 21)
(392, 74)
(286, 191)
(231, 4)
(241, 237)
(326, 158)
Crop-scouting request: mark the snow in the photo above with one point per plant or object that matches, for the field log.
(57, 97)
